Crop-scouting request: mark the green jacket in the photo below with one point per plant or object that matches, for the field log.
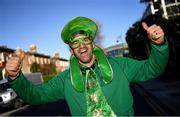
(117, 93)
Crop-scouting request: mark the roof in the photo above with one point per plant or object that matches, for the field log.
(39, 55)
(5, 49)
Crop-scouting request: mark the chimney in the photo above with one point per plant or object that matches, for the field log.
(33, 48)
(56, 55)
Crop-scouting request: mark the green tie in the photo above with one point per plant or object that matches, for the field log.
(97, 105)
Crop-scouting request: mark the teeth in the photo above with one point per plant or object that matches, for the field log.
(83, 51)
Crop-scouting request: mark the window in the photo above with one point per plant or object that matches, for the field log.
(37, 60)
(29, 61)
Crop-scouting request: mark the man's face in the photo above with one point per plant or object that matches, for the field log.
(82, 48)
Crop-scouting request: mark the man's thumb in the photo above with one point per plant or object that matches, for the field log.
(144, 25)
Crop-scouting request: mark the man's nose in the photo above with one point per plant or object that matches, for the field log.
(81, 45)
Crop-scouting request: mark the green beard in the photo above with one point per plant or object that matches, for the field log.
(103, 63)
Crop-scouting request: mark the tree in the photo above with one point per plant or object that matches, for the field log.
(35, 67)
(138, 42)
(139, 45)
(48, 69)
(99, 38)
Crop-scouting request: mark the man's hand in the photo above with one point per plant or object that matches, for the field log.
(13, 66)
(154, 32)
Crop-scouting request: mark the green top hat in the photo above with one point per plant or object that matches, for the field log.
(78, 24)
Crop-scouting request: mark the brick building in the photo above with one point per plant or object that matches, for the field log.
(31, 57)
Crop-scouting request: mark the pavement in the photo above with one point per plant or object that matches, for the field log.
(58, 108)
(164, 92)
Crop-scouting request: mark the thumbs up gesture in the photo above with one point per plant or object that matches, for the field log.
(13, 65)
(154, 32)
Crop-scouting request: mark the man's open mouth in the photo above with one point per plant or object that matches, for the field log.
(83, 52)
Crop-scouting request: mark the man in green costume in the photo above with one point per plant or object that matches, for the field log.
(94, 85)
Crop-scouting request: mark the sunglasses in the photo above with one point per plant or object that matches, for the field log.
(82, 40)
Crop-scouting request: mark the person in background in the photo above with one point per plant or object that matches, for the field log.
(94, 85)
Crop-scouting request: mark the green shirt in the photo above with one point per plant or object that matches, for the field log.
(117, 93)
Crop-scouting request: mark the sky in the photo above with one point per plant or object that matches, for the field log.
(40, 22)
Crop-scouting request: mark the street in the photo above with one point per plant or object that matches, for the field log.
(59, 108)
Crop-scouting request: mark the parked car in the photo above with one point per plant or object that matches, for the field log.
(8, 97)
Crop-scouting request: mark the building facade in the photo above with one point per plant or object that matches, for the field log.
(117, 50)
(43, 61)
(31, 58)
(5, 54)
(60, 63)
(166, 8)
